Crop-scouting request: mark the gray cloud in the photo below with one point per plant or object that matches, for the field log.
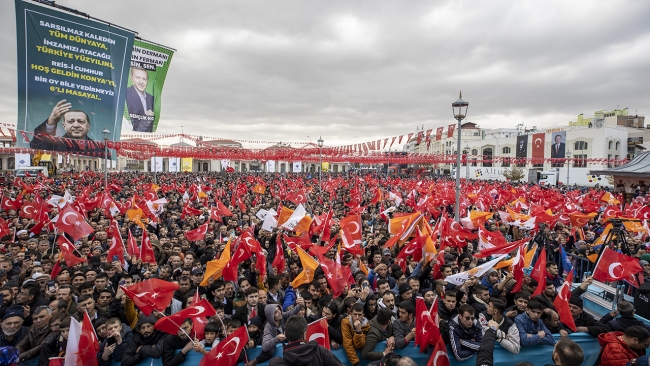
(356, 71)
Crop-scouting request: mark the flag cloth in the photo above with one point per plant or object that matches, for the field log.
(309, 266)
(614, 266)
(567, 267)
(146, 249)
(439, 356)
(279, 262)
(561, 303)
(318, 331)
(428, 333)
(228, 350)
(152, 294)
(460, 278)
(72, 346)
(82, 346)
(501, 249)
(172, 323)
(214, 268)
(539, 273)
(72, 223)
(198, 233)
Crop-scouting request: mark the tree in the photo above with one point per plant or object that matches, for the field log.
(515, 174)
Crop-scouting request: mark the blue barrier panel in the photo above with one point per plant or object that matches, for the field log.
(538, 355)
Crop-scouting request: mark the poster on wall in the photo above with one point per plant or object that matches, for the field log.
(174, 164)
(157, 164)
(522, 146)
(72, 78)
(558, 147)
(297, 166)
(149, 65)
(23, 160)
(270, 166)
(186, 164)
(538, 145)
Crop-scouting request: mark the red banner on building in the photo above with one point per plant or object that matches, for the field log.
(439, 133)
(538, 146)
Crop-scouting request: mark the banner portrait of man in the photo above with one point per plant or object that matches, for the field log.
(558, 147)
(139, 102)
(522, 146)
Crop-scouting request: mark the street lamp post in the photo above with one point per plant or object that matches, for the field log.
(568, 164)
(106, 134)
(466, 163)
(387, 163)
(459, 108)
(320, 157)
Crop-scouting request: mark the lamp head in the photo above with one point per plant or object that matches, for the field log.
(459, 107)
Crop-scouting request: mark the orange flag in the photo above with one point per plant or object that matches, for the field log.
(214, 269)
(309, 266)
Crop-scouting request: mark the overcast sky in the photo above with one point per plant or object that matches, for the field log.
(353, 71)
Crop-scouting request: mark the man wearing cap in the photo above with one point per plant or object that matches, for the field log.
(584, 321)
(147, 342)
(13, 330)
(197, 277)
(30, 346)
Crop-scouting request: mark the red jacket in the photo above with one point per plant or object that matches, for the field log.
(615, 351)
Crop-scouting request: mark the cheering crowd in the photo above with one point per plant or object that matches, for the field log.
(222, 264)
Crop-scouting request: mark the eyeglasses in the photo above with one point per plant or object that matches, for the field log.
(468, 317)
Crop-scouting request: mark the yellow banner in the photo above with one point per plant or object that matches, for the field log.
(325, 167)
(186, 164)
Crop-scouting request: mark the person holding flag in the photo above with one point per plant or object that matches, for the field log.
(298, 352)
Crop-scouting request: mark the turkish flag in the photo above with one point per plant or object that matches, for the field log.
(297, 197)
(518, 265)
(450, 130)
(278, 262)
(198, 233)
(351, 234)
(488, 239)
(334, 275)
(72, 223)
(222, 210)
(4, 228)
(426, 322)
(146, 250)
(539, 273)
(579, 219)
(117, 246)
(152, 294)
(241, 254)
(189, 211)
(88, 343)
(561, 303)
(199, 323)
(30, 210)
(501, 249)
(171, 324)
(439, 356)
(614, 266)
(132, 246)
(318, 331)
(227, 351)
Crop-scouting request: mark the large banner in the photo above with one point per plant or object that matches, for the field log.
(149, 64)
(558, 147)
(270, 166)
(522, 146)
(297, 166)
(72, 77)
(157, 164)
(174, 164)
(186, 164)
(538, 146)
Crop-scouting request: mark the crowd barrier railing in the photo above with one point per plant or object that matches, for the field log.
(538, 355)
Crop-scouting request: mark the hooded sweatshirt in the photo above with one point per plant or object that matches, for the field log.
(305, 354)
(271, 329)
(152, 346)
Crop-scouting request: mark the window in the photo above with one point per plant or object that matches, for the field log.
(474, 152)
(618, 145)
(487, 157)
(505, 150)
(609, 145)
(582, 145)
(505, 162)
(616, 162)
(579, 161)
(609, 160)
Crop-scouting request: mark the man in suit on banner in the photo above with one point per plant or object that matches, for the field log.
(139, 103)
(558, 148)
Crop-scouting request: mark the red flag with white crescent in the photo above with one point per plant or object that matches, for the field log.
(318, 331)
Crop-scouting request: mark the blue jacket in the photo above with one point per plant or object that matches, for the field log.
(464, 342)
(289, 298)
(526, 326)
